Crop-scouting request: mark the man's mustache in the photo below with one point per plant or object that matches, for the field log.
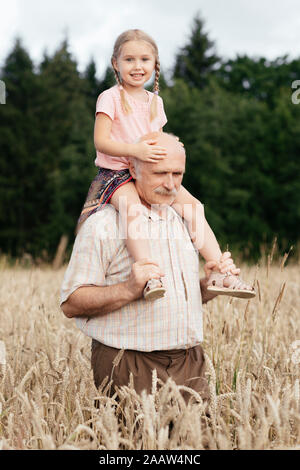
(165, 192)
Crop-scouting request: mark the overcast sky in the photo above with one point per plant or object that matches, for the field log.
(268, 28)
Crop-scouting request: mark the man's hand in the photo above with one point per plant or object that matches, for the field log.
(141, 272)
(226, 264)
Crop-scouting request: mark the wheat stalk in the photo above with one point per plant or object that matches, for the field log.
(46, 377)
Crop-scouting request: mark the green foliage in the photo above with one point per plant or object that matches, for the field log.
(241, 162)
(46, 151)
(19, 168)
(196, 61)
(240, 129)
(258, 78)
(91, 85)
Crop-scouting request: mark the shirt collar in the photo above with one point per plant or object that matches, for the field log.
(154, 215)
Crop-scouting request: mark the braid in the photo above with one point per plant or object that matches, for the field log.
(116, 74)
(153, 109)
(157, 73)
(125, 105)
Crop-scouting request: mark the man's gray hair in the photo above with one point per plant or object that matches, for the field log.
(137, 168)
(151, 135)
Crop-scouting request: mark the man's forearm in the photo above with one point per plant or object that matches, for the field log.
(92, 301)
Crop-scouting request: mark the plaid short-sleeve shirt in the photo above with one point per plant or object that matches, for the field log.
(100, 258)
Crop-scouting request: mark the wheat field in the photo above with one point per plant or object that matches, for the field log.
(253, 363)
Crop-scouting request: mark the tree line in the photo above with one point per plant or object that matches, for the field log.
(235, 117)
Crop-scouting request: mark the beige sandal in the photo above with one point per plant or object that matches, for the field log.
(236, 288)
(154, 289)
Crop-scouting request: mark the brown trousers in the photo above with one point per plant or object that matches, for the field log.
(185, 366)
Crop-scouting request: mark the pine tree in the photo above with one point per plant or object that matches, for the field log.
(68, 151)
(108, 80)
(20, 171)
(46, 151)
(197, 60)
(92, 85)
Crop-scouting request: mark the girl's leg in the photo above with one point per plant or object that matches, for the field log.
(205, 241)
(127, 202)
(200, 232)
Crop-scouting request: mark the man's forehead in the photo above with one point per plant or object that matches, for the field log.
(169, 164)
(156, 169)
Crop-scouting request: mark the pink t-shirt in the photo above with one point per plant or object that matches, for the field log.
(127, 128)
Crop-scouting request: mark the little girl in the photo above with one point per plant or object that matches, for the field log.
(124, 113)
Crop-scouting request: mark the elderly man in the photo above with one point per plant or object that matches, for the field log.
(103, 288)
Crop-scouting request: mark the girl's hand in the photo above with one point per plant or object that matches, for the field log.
(226, 264)
(148, 151)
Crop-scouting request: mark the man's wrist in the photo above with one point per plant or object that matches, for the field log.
(205, 294)
(131, 293)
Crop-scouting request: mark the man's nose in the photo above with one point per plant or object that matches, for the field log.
(169, 182)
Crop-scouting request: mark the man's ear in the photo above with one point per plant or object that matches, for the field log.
(131, 168)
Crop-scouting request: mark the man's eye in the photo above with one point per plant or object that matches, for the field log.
(145, 59)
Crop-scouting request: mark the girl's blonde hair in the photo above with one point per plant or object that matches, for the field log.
(136, 35)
